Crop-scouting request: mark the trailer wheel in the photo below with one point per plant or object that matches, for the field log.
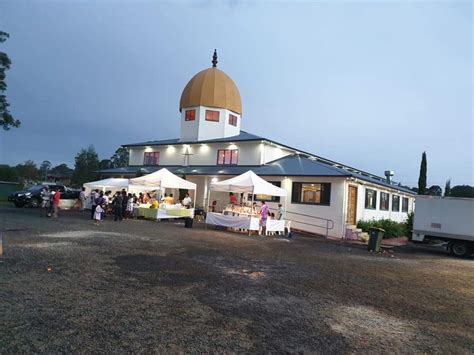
(460, 249)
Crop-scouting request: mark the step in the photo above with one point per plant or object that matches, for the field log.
(351, 226)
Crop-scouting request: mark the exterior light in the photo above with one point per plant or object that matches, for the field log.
(214, 180)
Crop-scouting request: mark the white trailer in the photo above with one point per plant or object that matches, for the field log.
(445, 218)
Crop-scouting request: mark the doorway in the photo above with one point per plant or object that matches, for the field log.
(351, 217)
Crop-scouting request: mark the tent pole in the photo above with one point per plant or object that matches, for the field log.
(251, 209)
(208, 201)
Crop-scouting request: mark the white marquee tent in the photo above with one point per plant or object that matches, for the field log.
(163, 179)
(248, 182)
(107, 184)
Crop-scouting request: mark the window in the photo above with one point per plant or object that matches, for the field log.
(190, 115)
(405, 204)
(233, 120)
(384, 200)
(370, 199)
(212, 115)
(311, 193)
(268, 197)
(227, 156)
(396, 203)
(151, 158)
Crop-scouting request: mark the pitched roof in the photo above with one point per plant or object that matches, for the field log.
(243, 136)
(294, 165)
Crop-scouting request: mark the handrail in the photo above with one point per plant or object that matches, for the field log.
(329, 223)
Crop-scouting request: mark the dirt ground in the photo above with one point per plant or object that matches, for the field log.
(140, 286)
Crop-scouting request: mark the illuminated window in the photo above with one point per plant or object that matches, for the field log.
(405, 204)
(384, 200)
(190, 115)
(212, 115)
(396, 203)
(370, 199)
(227, 156)
(151, 158)
(311, 193)
(233, 120)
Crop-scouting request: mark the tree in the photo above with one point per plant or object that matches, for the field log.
(422, 178)
(7, 173)
(6, 119)
(120, 158)
(61, 170)
(105, 164)
(447, 188)
(28, 170)
(435, 190)
(44, 168)
(86, 165)
(462, 191)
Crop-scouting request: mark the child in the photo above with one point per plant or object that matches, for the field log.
(99, 210)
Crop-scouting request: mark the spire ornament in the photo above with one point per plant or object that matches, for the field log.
(214, 59)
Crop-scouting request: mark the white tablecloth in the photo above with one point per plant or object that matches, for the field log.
(249, 223)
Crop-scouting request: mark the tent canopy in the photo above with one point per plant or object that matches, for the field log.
(162, 178)
(248, 182)
(110, 183)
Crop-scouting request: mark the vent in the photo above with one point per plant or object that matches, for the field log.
(389, 175)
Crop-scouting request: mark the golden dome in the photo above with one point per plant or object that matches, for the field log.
(214, 88)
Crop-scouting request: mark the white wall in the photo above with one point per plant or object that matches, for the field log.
(332, 212)
(200, 129)
(296, 211)
(200, 154)
(271, 152)
(368, 214)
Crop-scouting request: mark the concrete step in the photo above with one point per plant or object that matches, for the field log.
(351, 226)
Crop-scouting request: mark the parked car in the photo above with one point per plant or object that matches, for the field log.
(32, 196)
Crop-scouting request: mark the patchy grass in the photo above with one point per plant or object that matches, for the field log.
(140, 286)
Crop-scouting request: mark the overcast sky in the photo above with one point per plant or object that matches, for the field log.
(368, 84)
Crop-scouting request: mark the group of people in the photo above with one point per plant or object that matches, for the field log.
(121, 204)
(50, 202)
(264, 212)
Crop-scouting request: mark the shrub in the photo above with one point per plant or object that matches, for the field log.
(408, 226)
(392, 229)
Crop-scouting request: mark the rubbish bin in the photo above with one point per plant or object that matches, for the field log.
(188, 222)
(375, 238)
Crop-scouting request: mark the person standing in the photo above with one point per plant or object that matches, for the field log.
(82, 199)
(45, 201)
(117, 203)
(281, 212)
(263, 217)
(187, 202)
(56, 199)
(94, 200)
(130, 200)
(232, 198)
(124, 203)
(99, 210)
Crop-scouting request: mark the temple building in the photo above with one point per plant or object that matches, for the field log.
(324, 197)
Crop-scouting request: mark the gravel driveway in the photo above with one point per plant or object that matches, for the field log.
(140, 286)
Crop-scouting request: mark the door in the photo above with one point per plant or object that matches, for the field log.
(352, 205)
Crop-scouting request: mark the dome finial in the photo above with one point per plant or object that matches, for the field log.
(214, 59)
